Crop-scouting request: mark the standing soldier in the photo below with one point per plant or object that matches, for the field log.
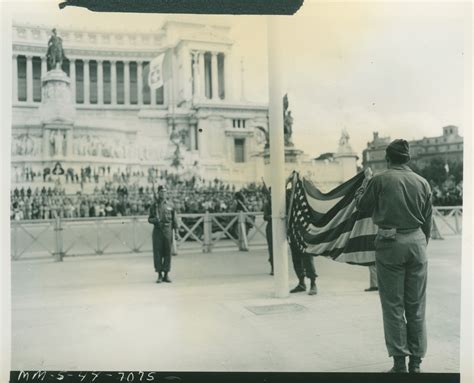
(400, 201)
(163, 217)
(267, 216)
(303, 264)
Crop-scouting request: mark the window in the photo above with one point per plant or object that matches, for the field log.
(107, 82)
(36, 79)
(133, 84)
(79, 81)
(21, 63)
(207, 75)
(93, 90)
(160, 96)
(221, 76)
(238, 123)
(239, 148)
(120, 83)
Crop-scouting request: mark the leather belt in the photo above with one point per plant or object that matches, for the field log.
(400, 230)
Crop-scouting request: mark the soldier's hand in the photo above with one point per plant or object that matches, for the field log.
(368, 173)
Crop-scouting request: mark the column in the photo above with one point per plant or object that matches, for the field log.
(214, 76)
(196, 74)
(29, 79)
(192, 136)
(202, 76)
(188, 75)
(44, 67)
(153, 96)
(14, 78)
(113, 82)
(227, 76)
(139, 83)
(72, 76)
(277, 159)
(100, 83)
(87, 96)
(126, 81)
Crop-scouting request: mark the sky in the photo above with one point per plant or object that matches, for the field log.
(398, 68)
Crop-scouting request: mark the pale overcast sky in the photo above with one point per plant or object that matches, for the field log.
(398, 68)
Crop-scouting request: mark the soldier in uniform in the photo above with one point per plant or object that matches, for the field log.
(303, 264)
(163, 217)
(400, 202)
(267, 216)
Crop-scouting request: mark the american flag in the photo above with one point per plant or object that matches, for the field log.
(328, 224)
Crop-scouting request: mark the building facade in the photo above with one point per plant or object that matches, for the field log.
(118, 121)
(116, 125)
(448, 146)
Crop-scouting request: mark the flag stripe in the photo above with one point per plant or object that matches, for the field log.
(316, 236)
(359, 228)
(329, 224)
(331, 214)
(322, 206)
(337, 192)
(354, 245)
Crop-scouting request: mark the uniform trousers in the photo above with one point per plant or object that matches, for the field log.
(269, 235)
(402, 276)
(303, 264)
(373, 276)
(162, 238)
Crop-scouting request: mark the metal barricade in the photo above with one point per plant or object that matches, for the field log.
(33, 239)
(447, 220)
(64, 237)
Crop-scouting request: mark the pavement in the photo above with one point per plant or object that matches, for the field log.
(106, 313)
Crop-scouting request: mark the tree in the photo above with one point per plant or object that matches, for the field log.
(435, 171)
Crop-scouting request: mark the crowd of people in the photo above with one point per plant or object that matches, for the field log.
(447, 195)
(122, 199)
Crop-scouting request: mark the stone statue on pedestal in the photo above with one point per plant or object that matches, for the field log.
(55, 54)
(287, 122)
(266, 136)
(57, 141)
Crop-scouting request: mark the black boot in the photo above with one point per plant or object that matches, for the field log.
(300, 287)
(166, 278)
(399, 365)
(414, 364)
(271, 270)
(313, 290)
(160, 278)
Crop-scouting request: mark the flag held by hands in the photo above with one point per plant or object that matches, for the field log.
(329, 225)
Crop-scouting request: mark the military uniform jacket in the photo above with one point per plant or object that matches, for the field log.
(163, 216)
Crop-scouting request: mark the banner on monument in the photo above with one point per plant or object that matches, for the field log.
(159, 70)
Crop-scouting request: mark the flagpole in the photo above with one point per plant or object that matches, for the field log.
(171, 85)
(277, 162)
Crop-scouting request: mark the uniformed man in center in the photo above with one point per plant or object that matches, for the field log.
(163, 217)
